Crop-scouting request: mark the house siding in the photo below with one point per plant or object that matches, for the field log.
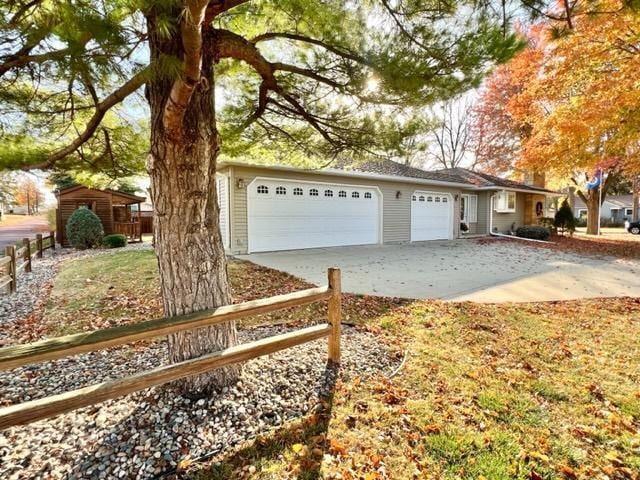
(502, 221)
(482, 227)
(396, 212)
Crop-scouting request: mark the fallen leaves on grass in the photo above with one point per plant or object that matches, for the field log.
(583, 245)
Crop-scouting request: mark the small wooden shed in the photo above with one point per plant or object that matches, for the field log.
(113, 208)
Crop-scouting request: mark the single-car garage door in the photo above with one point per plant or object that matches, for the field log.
(431, 216)
(288, 215)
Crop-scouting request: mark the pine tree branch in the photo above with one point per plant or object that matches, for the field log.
(92, 125)
(216, 7)
(183, 86)
(313, 41)
(23, 57)
(231, 45)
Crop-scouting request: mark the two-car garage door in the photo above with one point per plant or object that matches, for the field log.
(289, 215)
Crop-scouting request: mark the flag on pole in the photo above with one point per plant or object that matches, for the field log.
(596, 181)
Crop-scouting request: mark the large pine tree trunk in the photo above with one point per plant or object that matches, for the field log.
(188, 243)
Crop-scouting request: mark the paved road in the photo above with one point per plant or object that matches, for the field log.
(463, 270)
(11, 234)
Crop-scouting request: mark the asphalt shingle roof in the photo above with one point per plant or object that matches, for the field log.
(389, 167)
(453, 175)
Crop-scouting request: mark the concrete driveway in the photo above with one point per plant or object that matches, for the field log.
(474, 270)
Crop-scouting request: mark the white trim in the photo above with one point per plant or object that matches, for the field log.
(521, 190)
(226, 239)
(381, 177)
(506, 208)
(293, 180)
(352, 174)
(452, 212)
(466, 210)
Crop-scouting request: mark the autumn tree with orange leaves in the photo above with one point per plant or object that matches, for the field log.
(569, 104)
(29, 194)
(497, 133)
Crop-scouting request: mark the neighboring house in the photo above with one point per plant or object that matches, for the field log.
(615, 208)
(18, 210)
(268, 208)
(113, 208)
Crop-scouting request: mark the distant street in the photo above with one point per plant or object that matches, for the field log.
(22, 228)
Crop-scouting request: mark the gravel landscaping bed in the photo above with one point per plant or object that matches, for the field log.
(147, 433)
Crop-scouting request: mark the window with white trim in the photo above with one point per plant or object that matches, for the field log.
(281, 191)
(328, 193)
(629, 211)
(263, 189)
(342, 194)
(413, 198)
(297, 192)
(505, 202)
(469, 208)
(367, 194)
(421, 198)
(313, 192)
(355, 195)
(429, 199)
(438, 199)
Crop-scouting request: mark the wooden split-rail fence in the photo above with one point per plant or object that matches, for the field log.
(54, 348)
(17, 260)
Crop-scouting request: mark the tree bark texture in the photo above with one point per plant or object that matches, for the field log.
(188, 244)
(593, 212)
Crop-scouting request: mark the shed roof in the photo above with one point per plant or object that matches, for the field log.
(122, 197)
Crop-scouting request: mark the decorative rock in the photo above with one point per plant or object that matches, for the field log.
(147, 433)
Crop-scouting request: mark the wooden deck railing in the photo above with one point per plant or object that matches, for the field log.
(50, 349)
(14, 261)
(131, 230)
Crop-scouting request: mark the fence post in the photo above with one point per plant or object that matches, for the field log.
(10, 251)
(27, 254)
(335, 314)
(39, 245)
(53, 240)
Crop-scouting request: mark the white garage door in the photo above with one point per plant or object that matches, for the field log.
(287, 215)
(431, 216)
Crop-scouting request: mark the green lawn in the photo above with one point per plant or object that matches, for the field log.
(546, 390)
(531, 391)
(123, 287)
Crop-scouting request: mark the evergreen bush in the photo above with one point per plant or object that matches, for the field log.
(84, 229)
(564, 219)
(115, 240)
(536, 232)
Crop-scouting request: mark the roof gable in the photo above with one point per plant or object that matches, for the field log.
(126, 198)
